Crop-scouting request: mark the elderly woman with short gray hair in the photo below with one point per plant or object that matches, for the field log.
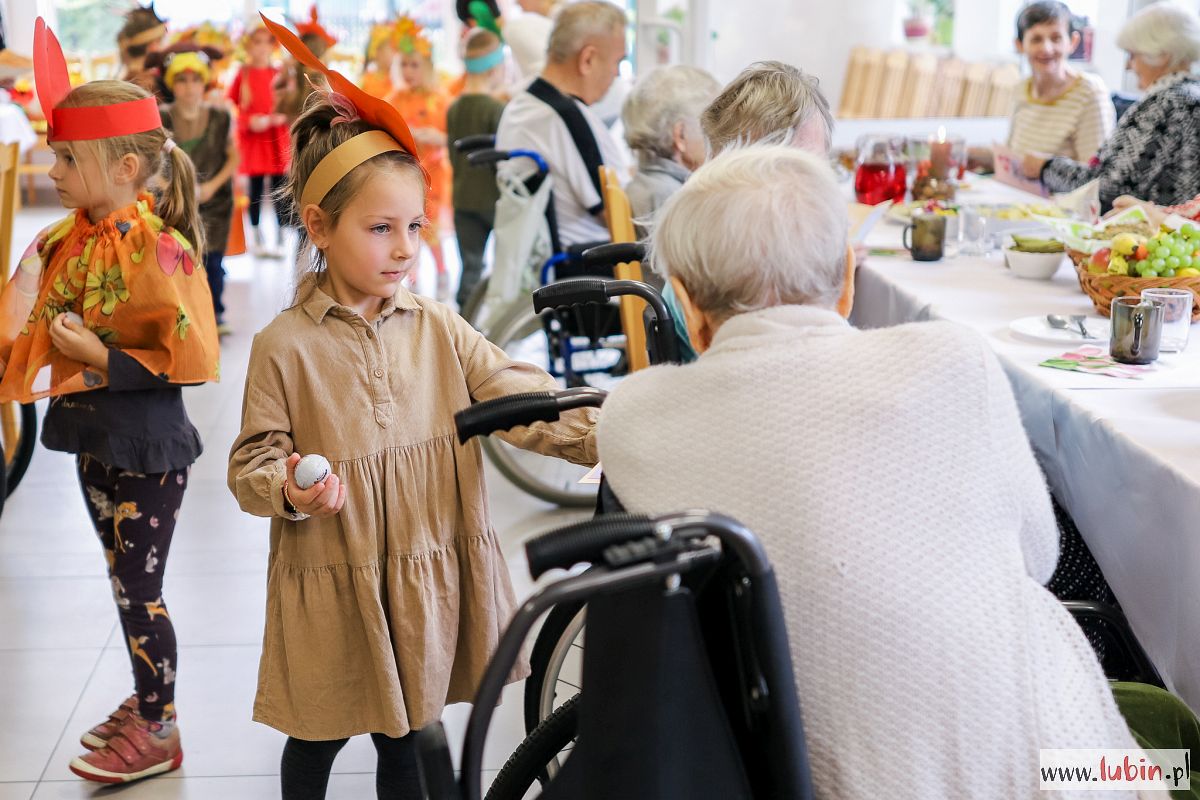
(1154, 154)
(890, 480)
(662, 127)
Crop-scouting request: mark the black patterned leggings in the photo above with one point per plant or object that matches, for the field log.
(134, 516)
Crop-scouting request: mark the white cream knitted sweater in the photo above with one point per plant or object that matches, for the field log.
(889, 477)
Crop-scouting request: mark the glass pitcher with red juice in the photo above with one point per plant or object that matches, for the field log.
(880, 175)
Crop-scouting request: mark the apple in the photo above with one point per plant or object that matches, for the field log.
(1098, 263)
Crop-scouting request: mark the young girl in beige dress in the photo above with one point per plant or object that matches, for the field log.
(386, 591)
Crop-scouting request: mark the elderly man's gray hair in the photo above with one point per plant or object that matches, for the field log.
(662, 98)
(755, 227)
(580, 23)
(1163, 31)
(769, 103)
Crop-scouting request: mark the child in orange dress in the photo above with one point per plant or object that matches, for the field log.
(423, 105)
(381, 57)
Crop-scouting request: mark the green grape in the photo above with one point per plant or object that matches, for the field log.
(1180, 249)
(1173, 262)
(1158, 263)
(1149, 274)
(1188, 230)
(1167, 273)
(1195, 262)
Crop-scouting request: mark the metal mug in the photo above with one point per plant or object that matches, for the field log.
(928, 237)
(1136, 330)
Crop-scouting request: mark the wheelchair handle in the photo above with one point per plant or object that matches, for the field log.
(511, 411)
(584, 541)
(609, 255)
(480, 141)
(577, 291)
(485, 157)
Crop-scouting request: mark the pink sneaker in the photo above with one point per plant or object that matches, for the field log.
(98, 736)
(133, 752)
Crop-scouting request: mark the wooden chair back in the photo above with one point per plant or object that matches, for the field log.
(949, 89)
(1005, 81)
(976, 90)
(852, 89)
(619, 216)
(918, 98)
(10, 157)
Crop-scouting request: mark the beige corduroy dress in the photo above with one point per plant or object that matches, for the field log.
(379, 616)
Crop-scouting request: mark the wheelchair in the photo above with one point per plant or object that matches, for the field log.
(690, 692)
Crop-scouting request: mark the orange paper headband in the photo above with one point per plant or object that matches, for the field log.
(78, 124)
(314, 27)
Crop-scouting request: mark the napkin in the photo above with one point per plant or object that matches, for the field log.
(1097, 361)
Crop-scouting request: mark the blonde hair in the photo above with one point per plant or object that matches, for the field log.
(578, 24)
(1163, 31)
(661, 98)
(314, 136)
(176, 201)
(756, 227)
(767, 104)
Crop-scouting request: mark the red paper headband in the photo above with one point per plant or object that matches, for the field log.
(370, 108)
(91, 122)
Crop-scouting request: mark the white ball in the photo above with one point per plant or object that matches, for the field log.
(311, 469)
(74, 318)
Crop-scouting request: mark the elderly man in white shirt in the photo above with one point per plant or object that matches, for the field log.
(889, 478)
(551, 116)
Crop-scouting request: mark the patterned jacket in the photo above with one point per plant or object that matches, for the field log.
(1154, 154)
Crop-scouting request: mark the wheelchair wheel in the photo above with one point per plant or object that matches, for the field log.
(521, 335)
(555, 663)
(549, 743)
(18, 432)
(470, 309)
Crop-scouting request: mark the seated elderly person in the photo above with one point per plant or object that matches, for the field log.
(768, 103)
(1154, 154)
(662, 127)
(889, 478)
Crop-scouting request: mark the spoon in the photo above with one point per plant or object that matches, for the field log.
(1078, 320)
(1059, 321)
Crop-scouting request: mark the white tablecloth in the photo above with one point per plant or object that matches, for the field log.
(1122, 456)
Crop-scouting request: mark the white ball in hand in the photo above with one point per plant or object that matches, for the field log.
(74, 318)
(312, 469)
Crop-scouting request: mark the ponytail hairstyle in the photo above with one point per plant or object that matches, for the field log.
(164, 166)
(329, 121)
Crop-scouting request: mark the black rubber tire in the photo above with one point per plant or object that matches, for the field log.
(556, 624)
(528, 762)
(20, 463)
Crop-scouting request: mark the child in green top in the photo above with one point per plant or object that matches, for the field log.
(475, 112)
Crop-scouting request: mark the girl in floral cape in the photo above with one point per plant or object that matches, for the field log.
(132, 280)
(109, 314)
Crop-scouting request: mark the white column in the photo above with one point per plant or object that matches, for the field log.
(19, 16)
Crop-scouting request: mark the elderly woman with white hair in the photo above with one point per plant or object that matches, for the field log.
(889, 478)
(1154, 154)
(770, 103)
(662, 127)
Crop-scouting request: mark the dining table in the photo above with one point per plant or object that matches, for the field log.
(1122, 456)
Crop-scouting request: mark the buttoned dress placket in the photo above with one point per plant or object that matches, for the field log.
(376, 362)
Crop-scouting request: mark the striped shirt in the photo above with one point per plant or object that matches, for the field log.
(1073, 125)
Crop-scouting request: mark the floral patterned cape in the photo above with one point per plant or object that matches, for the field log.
(137, 285)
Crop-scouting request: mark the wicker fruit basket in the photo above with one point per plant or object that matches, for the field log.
(1102, 288)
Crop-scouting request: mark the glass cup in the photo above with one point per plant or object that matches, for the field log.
(1136, 330)
(880, 174)
(972, 231)
(928, 237)
(1177, 316)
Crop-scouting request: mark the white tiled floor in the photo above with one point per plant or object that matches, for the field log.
(62, 668)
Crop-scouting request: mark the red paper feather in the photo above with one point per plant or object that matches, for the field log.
(49, 69)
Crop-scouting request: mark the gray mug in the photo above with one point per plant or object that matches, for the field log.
(1136, 330)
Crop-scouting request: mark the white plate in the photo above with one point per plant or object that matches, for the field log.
(1037, 329)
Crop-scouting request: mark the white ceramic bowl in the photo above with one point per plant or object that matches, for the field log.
(1035, 266)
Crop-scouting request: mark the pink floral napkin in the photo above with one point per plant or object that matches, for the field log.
(1097, 361)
